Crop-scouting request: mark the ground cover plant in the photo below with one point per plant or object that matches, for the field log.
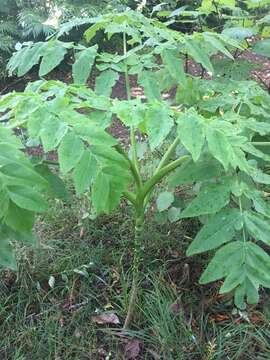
(209, 135)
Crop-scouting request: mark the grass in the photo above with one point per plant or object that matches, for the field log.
(81, 268)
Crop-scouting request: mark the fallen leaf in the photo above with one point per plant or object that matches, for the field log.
(106, 318)
(132, 349)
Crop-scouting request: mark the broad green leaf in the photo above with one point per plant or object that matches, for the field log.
(225, 260)
(131, 112)
(18, 174)
(82, 67)
(191, 132)
(53, 54)
(164, 200)
(175, 65)
(219, 230)
(19, 219)
(262, 47)
(70, 151)
(30, 57)
(261, 206)
(52, 132)
(198, 54)
(56, 186)
(27, 198)
(234, 278)
(105, 82)
(217, 44)
(101, 193)
(204, 169)
(158, 124)
(109, 156)
(257, 226)
(239, 33)
(84, 172)
(211, 199)
(149, 81)
(219, 146)
(94, 134)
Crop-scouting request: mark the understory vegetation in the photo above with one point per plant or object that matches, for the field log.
(134, 180)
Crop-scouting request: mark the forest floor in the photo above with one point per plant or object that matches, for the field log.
(69, 298)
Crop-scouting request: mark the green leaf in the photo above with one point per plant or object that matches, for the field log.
(204, 169)
(158, 124)
(224, 262)
(198, 54)
(257, 226)
(149, 81)
(239, 33)
(219, 146)
(262, 47)
(18, 174)
(101, 193)
(27, 198)
(56, 186)
(30, 57)
(53, 54)
(217, 44)
(164, 200)
(105, 82)
(94, 134)
(191, 132)
(82, 67)
(219, 230)
(84, 172)
(70, 152)
(175, 65)
(19, 219)
(211, 199)
(52, 132)
(233, 279)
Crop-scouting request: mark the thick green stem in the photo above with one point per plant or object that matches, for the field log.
(133, 169)
(164, 161)
(167, 156)
(137, 260)
(161, 173)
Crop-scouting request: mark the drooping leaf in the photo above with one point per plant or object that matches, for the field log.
(82, 67)
(27, 198)
(149, 81)
(70, 152)
(84, 172)
(210, 199)
(219, 230)
(105, 82)
(225, 260)
(53, 54)
(191, 132)
(219, 146)
(158, 124)
(198, 54)
(204, 169)
(257, 226)
(175, 65)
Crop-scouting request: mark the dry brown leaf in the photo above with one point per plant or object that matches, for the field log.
(132, 349)
(106, 318)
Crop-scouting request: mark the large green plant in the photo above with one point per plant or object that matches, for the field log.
(212, 135)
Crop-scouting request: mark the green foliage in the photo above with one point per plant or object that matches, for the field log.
(208, 130)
